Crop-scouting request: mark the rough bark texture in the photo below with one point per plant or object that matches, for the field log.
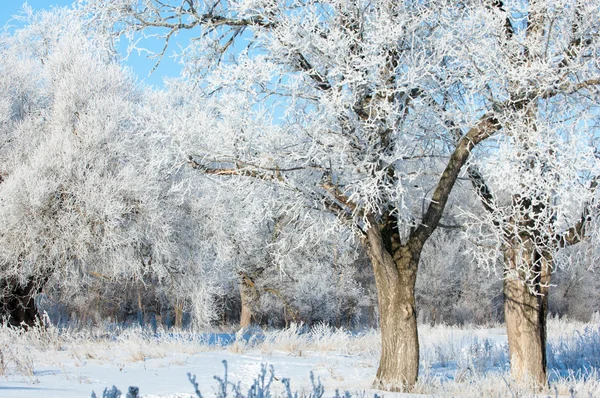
(395, 276)
(17, 303)
(525, 309)
(245, 298)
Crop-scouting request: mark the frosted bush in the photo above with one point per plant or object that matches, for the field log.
(481, 355)
(579, 352)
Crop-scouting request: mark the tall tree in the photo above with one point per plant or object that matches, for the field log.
(366, 110)
(538, 182)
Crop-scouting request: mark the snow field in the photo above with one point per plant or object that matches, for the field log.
(455, 361)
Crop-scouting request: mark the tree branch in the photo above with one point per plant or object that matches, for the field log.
(322, 83)
(486, 127)
(334, 191)
(508, 28)
(341, 206)
(568, 88)
(209, 20)
(575, 234)
(235, 171)
(481, 188)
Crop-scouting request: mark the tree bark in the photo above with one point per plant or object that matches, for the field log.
(433, 316)
(17, 303)
(395, 277)
(246, 300)
(178, 308)
(525, 310)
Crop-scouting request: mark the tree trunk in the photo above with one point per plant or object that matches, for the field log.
(525, 310)
(141, 314)
(395, 277)
(246, 300)
(17, 303)
(178, 308)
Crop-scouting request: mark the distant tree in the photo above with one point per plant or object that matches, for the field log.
(440, 272)
(315, 278)
(481, 300)
(575, 291)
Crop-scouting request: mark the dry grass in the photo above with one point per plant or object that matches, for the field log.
(20, 351)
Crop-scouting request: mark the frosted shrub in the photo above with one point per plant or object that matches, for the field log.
(325, 337)
(321, 337)
(114, 392)
(291, 339)
(20, 348)
(579, 352)
(246, 338)
(480, 355)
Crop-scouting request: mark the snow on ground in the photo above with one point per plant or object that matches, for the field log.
(166, 377)
(454, 361)
(69, 374)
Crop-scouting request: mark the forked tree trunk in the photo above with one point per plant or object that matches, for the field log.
(17, 303)
(395, 277)
(525, 310)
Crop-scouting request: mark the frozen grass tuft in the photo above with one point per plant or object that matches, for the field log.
(21, 351)
(321, 337)
(574, 349)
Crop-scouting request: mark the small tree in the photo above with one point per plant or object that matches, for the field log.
(438, 282)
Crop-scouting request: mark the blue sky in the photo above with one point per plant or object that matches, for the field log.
(141, 65)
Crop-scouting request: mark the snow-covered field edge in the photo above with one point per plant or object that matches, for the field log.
(455, 361)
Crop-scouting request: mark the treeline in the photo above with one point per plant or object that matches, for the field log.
(456, 292)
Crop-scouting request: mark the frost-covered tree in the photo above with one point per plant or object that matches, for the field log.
(234, 228)
(36, 102)
(440, 270)
(277, 266)
(575, 291)
(81, 196)
(366, 110)
(538, 180)
(313, 278)
(238, 226)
